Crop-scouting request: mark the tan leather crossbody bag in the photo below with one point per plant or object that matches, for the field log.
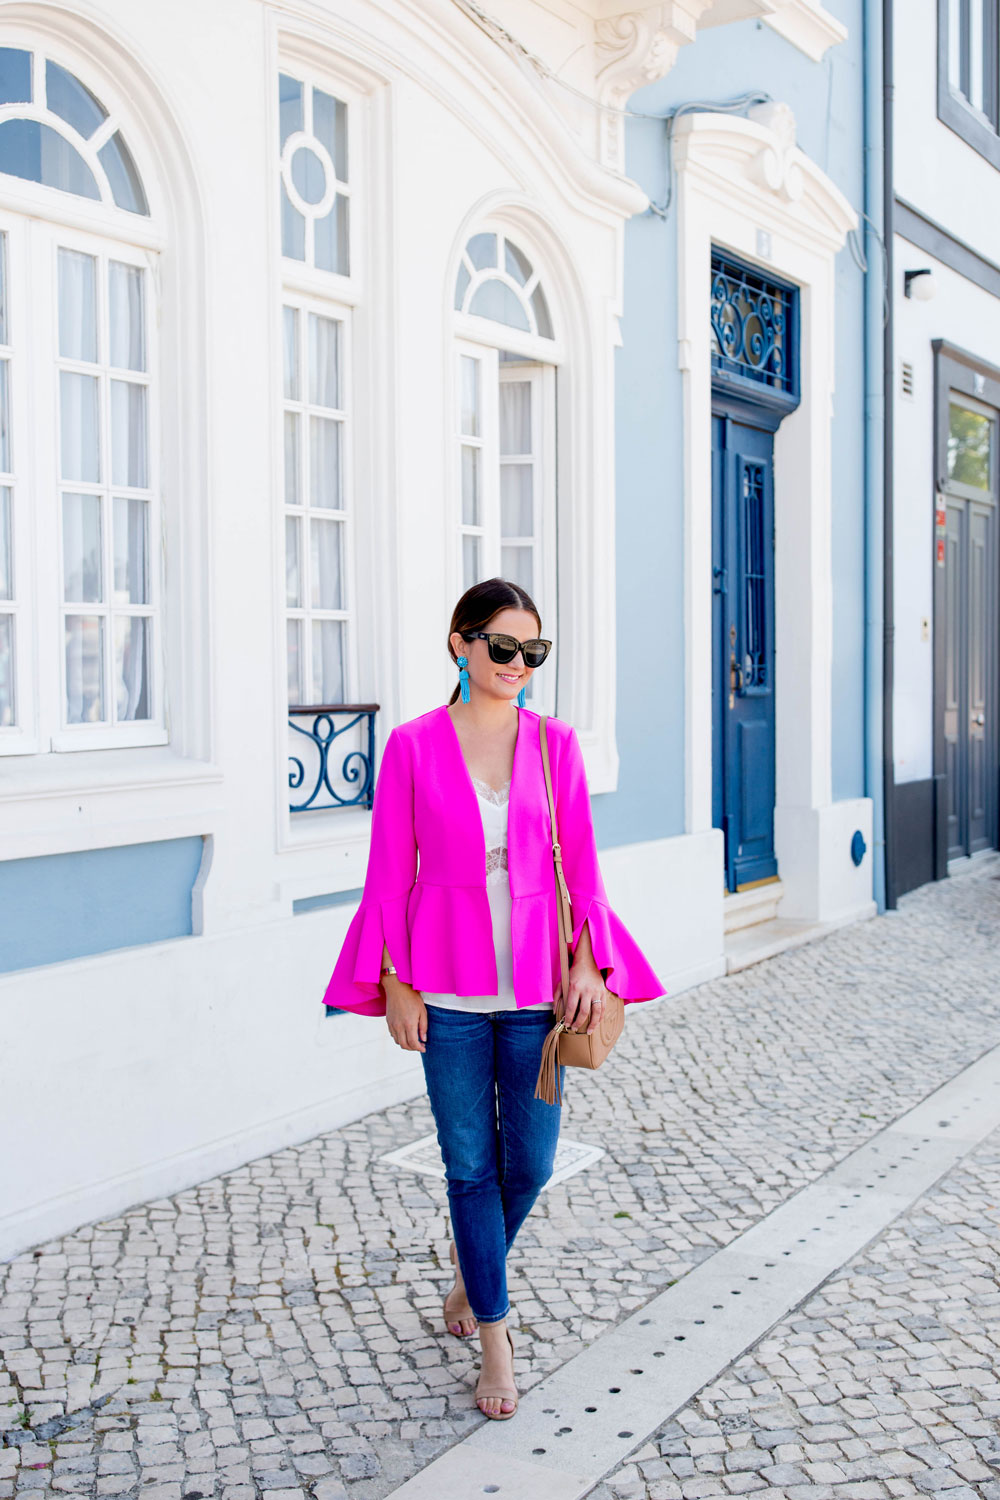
(574, 1049)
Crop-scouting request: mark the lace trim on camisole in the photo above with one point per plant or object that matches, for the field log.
(490, 792)
(494, 827)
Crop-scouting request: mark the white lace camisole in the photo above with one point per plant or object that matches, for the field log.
(493, 806)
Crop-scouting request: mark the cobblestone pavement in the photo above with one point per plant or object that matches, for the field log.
(278, 1328)
(886, 1382)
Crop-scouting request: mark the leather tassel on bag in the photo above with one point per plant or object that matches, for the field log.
(547, 1087)
(564, 1046)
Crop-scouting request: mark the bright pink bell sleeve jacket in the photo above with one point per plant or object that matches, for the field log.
(425, 887)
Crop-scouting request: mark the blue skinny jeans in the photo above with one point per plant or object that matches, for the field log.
(497, 1140)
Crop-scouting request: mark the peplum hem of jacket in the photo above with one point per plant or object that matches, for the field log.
(629, 974)
(355, 983)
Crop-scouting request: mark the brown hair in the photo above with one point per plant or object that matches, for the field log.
(480, 603)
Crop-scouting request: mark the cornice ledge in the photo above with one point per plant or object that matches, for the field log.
(807, 26)
(759, 153)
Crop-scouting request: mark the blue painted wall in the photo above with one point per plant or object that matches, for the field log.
(68, 905)
(826, 99)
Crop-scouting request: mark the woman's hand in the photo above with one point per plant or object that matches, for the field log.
(405, 1014)
(587, 996)
(588, 993)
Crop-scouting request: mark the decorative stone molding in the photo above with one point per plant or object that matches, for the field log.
(763, 167)
(635, 48)
(637, 44)
(774, 167)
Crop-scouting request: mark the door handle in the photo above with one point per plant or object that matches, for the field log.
(979, 718)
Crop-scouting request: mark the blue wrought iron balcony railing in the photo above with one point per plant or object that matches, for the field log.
(313, 767)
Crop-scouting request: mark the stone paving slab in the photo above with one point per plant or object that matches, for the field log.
(884, 1383)
(278, 1328)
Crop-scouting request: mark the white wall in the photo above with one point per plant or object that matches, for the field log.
(938, 173)
(165, 1063)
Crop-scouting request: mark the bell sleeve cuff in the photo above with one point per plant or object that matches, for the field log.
(628, 972)
(355, 983)
(381, 919)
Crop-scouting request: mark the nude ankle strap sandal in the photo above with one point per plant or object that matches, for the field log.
(501, 1392)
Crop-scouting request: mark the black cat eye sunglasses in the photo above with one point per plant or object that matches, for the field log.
(503, 648)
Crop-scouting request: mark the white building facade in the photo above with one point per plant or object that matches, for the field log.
(946, 405)
(309, 321)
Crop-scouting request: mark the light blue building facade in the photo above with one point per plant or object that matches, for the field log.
(812, 632)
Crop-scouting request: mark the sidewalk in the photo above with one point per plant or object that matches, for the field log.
(278, 1328)
(885, 1383)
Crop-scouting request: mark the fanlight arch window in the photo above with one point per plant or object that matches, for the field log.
(496, 280)
(81, 569)
(57, 133)
(504, 418)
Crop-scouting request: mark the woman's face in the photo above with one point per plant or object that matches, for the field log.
(490, 677)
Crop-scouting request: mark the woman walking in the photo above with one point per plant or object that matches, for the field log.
(460, 954)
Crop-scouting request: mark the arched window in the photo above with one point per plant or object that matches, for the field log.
(78, 489)
(316, 128)
(55, 132)
(496, 281)
(505, 424)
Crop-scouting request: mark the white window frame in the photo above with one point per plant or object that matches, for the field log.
(370, 454)
(482, 339)
(20, 737)
(38, 495)
(306, 612)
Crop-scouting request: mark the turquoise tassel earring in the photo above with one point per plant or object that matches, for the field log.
(463, 677)
(520, 699)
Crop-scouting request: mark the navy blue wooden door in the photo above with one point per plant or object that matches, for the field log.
(743, 657)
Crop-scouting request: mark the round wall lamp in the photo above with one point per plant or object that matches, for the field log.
(920, 284)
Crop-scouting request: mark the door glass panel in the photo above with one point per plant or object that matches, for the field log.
(6, 552)
(290, 344)
(470, 561)
(470, 396)
(78, 396)
(324, 362)
(293, 645)
(291, 458)
(515, 417)
(7, 712)
(5, 460)
(328, 661)
(131, 552)
(970, 439)
(325, 569)
(516, 495)
(471, 459)
(293, 587)
(82, 549)
(128, 435)
(131, 668)
(125, 308)
(516, 564)
(84, 638)
(755, 659)
(324, 463)
(77, 306)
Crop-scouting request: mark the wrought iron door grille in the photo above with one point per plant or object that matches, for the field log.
(755, 623)
(753, 326)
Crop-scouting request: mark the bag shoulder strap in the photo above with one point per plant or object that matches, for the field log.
(563, 903)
